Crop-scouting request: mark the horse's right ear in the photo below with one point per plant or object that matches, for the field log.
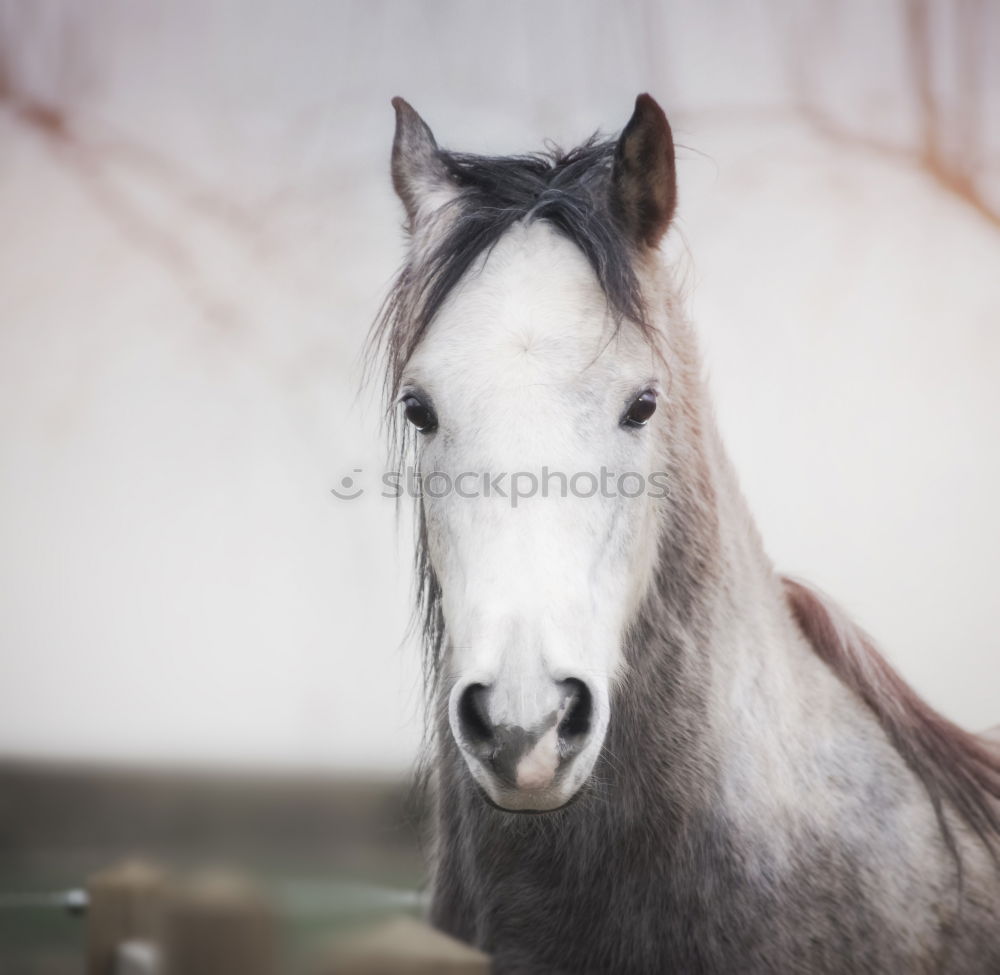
(419, 174)
(643, 179)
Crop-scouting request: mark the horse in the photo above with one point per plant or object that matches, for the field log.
(649, 751)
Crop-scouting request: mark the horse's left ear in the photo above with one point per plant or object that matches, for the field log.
(419, 174)
(643, 177)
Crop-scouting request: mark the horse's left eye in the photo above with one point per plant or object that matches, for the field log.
(642, 408)
(419, 414)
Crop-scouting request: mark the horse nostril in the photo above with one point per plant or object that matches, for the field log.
(575, 724)
(472, 715)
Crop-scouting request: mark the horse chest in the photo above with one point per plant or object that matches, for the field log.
(624, 901)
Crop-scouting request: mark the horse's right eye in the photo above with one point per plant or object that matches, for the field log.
(419, 414)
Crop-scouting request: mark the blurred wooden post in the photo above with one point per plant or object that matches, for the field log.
(125, 904)
(403, 946)
(137, 958)
(219, 924)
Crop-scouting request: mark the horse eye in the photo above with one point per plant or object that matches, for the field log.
(419, 414)
(642, 408)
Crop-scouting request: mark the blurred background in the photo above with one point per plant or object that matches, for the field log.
(199, 642)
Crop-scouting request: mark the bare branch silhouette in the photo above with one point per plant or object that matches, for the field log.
(948, 146)
(53, 120)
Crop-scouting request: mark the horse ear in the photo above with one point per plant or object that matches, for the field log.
(419, 175)
(643, 178)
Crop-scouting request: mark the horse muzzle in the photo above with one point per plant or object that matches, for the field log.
(530, 748)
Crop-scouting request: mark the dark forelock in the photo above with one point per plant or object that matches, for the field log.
(569, 190)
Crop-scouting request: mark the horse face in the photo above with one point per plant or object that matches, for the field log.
(538, 432)
(537, 444)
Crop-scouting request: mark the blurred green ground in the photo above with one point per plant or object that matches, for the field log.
(306, 840)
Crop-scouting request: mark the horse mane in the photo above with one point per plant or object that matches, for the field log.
(955, 767)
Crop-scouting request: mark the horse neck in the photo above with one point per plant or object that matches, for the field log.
(719, 678)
